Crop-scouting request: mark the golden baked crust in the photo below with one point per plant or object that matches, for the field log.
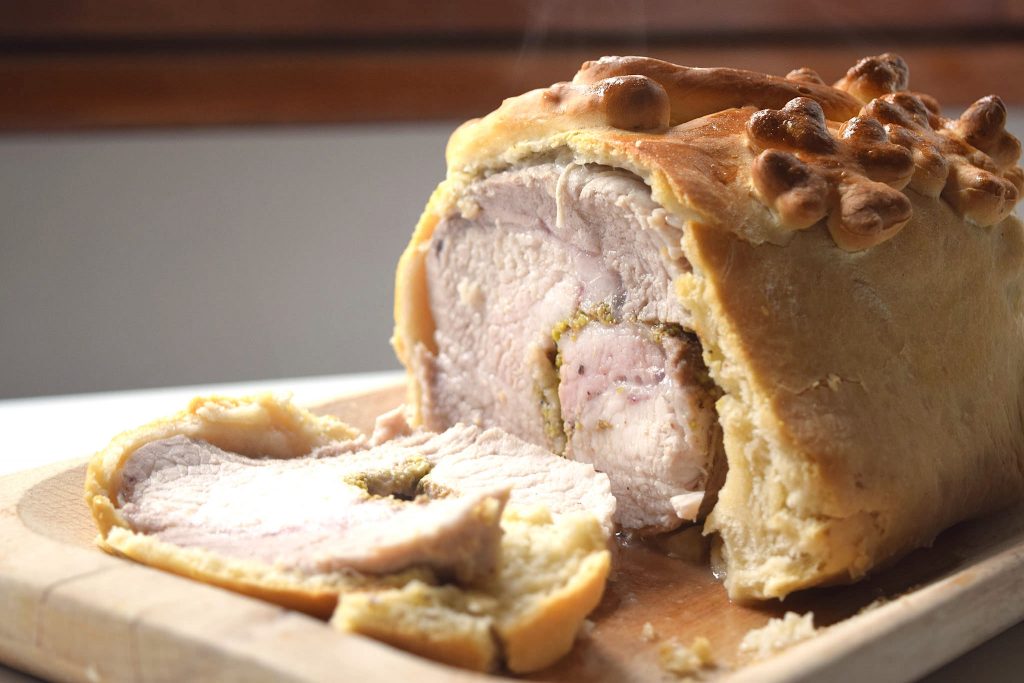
(551, 571)
(856, 284)
(551, 576)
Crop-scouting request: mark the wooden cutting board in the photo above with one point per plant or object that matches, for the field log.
(70, 612)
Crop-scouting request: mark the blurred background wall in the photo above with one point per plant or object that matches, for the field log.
(195, 191)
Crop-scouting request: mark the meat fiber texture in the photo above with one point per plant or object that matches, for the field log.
(554, 319)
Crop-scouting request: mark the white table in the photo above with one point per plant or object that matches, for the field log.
(88, 421)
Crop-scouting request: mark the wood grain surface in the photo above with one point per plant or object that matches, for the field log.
(73, 613)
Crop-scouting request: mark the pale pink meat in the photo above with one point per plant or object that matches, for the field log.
(302, 514)
(528, 251)
(472, 460)
(633, 409)
(376, 506)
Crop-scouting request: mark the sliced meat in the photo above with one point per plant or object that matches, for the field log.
(532, 252)
(309, 514)
(635, 407)
(534, 475)
(421, 500)
(470, 460)
(532, 248)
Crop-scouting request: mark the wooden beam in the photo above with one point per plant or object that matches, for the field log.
(332, 86)
(529, 20)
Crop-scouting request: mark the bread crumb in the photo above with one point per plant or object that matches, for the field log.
(586, 628)
(647, 634)
(778, 634)
(469, 209)
(873, 605)
(686, 661)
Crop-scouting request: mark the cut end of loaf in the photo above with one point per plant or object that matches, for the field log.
(830, 231)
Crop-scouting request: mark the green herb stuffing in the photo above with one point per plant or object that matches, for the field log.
(400, 482)
(546, 391)
(601, 313)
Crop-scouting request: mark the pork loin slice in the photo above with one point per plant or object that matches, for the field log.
(470, 460)
(421, 500)
(309, 514)
(535, 476)
(532, 252)
(262, 497)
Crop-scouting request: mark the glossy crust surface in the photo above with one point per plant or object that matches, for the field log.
(857, 285)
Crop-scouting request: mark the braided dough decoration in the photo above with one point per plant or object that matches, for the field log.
(841, 154)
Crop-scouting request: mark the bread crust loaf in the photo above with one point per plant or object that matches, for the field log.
(857, 285)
